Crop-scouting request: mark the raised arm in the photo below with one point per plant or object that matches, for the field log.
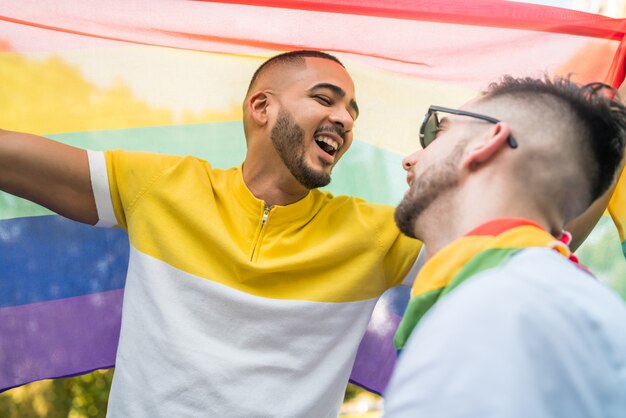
(49, 173)
(582, 226)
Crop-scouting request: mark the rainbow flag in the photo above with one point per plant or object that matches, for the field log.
(169, 76)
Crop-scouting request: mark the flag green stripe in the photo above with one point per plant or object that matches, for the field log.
(365, 171)
(482, 261)
(415, 310)
(420, 304)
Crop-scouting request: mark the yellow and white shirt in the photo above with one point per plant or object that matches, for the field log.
(232, 309)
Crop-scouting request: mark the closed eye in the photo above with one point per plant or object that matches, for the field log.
(323, 100)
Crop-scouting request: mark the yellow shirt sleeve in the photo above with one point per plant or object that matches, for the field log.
(401, 256)
(131, 175)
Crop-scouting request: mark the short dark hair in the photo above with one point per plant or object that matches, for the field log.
(595, 105)
(292, 57)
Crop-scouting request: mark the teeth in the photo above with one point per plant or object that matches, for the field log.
(328, 141)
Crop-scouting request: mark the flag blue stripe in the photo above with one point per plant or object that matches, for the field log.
(47, 258)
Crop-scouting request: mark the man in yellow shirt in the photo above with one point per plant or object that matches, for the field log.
(248, 290)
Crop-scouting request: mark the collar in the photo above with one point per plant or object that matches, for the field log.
(498, 226)
(484, 247)
(505, 233)
(302, 210)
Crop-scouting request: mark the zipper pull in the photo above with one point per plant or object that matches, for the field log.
(266, 212)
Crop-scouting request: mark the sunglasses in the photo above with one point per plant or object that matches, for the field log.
(430, 125)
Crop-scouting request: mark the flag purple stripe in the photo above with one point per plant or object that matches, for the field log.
(376, 356)
(59, 338)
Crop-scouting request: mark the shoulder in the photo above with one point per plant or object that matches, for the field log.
(354, 206)
(357, 215)
(538, 296)
(534, 282)
(143, 160)
(533, 332)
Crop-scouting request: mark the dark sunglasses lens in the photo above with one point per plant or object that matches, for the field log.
(430, 129)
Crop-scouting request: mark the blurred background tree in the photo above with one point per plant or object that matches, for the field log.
(76, 397)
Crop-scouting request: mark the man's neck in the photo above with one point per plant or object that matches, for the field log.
(273, 186)
(462, 218)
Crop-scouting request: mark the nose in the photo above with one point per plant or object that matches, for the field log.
(341, 117)
(409, 161)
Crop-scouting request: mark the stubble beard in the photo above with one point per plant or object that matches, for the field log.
(288, 139)
(426, 188)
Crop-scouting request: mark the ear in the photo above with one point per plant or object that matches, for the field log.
(482, 151)
(257, 105)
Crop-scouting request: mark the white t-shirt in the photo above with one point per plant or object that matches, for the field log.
(536, 337)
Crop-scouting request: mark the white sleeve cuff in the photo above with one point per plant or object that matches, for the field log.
(101, 190)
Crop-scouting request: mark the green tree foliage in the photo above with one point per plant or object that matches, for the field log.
(352, 391)
(78, 397)
(601, 252)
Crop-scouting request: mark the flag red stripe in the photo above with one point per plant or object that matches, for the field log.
(502, 14)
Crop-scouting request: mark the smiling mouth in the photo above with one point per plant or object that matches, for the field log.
(327, 144)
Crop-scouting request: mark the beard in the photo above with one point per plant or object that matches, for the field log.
(288, 139)
(426, 188)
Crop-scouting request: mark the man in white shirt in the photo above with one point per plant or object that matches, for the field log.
(503, 321)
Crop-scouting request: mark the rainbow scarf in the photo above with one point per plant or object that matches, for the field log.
(485, 247)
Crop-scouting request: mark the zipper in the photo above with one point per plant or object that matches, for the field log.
(266, 213)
